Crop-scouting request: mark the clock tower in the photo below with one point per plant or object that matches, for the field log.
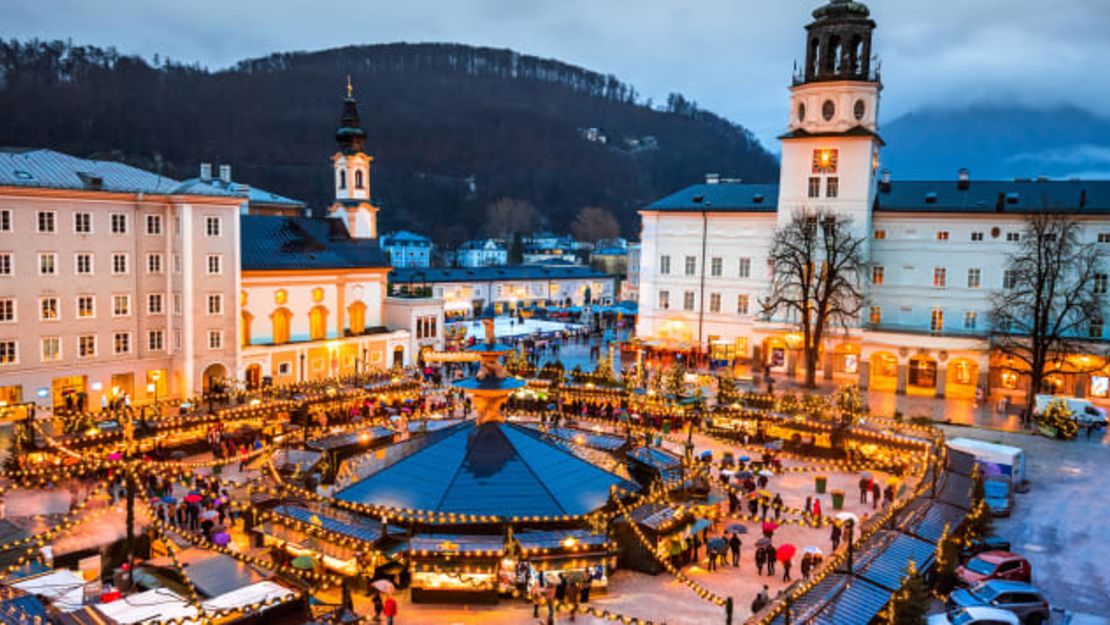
(830, 151)
(351, 165)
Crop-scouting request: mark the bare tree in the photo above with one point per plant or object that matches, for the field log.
(508, 216)
(817, 267)
(593, 223)
(1052, 301)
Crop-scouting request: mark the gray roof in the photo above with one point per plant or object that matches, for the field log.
(275, 242)
(723, 196)
(406, 238)
(485, 274)
(254, 194)
(47, 169)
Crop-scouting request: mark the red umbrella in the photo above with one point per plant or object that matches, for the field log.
(770, 526)
(785, 552)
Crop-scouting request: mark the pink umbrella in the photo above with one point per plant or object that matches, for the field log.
(115, 455)
(193, 498)
(770, 526)
(785, 552)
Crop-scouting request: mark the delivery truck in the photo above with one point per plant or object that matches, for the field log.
(994, 459)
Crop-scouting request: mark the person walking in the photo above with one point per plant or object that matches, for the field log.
(378, 607)
(771, 553)
(760, 559)
(786, 564)
(549, 593)
(734, 545)
(835, 537)
(712, 554)
(776, 503)
(876, 495)
(807, 564)
(864, 486)
(389, 609)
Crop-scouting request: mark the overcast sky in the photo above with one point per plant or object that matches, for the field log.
(731, 56)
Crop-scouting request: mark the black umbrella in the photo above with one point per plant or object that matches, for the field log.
(736, 528)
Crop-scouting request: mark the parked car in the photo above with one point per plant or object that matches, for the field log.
(998, 496)
(1018, 598)
(977, 615)
(978, 545)
(994, 565)
(1082, 410)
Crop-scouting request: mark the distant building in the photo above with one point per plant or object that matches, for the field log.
(610, 259)
(407, 249)
(481, 253)
(547, 246)
(465, 290)
(257, 202)
(630, 288)
(114, 282)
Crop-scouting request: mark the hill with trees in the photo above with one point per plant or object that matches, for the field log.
(454, 129)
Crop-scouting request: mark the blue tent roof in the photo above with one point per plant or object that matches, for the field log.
(358, 528)
(497, 469)
(885, 563)
(22, 610)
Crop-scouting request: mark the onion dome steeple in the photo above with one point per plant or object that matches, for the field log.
(350, 136)
(839, 43)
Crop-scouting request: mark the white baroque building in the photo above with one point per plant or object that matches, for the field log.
(936, 248)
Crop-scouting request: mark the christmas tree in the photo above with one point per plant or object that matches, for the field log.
(979, 521)
(910, 604)
(727, 392)
(675, 382)
(1058, 418)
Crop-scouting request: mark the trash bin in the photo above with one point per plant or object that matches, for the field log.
(667, 427)
(820, 482)
(838, 499)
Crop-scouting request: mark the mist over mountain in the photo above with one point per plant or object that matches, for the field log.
(1000, 142)
(453, 128)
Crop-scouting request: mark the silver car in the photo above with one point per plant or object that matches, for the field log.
(1020, 599)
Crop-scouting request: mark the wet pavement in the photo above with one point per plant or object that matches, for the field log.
(1060, 524)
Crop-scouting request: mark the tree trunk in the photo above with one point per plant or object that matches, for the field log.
(811, 368)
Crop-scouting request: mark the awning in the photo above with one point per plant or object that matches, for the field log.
(63, 588)
(885, 561)
(491, 545)
(336, 521)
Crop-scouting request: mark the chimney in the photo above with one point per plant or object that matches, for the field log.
(225, 173)
(963, 180)
(206, 171)
(884, 181)
(712, 178)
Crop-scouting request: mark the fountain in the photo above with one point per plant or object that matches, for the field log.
(491, 387)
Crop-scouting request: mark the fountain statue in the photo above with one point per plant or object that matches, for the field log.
(491, 387)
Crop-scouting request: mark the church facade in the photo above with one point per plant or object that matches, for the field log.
(935, 249)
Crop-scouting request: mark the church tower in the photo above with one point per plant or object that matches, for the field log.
(830, 151)
(352, 174)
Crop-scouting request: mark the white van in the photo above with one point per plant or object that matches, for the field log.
(1082, 410)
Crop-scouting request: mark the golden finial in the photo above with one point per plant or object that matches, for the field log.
(350, 89)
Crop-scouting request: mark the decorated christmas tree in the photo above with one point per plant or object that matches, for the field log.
(727, 391)
(910, 604)
(849, 401)
(979, 522)
(1058, 420)
(675, 381)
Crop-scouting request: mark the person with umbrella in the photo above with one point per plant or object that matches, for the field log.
(734, 544)
(807, 564)
(785, 555)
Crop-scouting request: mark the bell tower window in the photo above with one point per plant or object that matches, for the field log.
(828, 109)
(359, 183)
(342, 179)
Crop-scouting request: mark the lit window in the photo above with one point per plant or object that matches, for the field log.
(8, 352)
(280, 296)
(936, 320)
(121, 305)
(877, 275)
(317, 294)
(879, 235)
(664, 300)
(86, 346)
(51, 348)
(942, 235)
(970, 319)
(875, 315)
(86, 306)
(940, 275)
(49, 310)
(742, 304)
(121, 343)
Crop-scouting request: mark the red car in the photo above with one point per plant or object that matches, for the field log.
(995, 565)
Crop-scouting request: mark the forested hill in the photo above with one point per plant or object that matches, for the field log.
(452, 128)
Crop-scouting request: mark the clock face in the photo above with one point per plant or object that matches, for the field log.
(801, 111)
(828, 109)
(824, 160)
(859, 110)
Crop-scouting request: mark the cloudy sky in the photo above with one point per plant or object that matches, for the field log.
(731, 56)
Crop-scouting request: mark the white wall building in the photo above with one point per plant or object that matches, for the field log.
(936, 248)
(407, 249)
(481, 253)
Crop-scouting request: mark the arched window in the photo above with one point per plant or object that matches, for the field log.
(342, 178)
(245, 320)
(318, 323)
(358, 179)
(814, 57)
(356, 315)
(833, 52)
(280, 320)
(856, 52)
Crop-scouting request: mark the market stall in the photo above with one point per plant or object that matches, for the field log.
(334, 538)
(662, 526)
(452, 568)
(578, 555)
